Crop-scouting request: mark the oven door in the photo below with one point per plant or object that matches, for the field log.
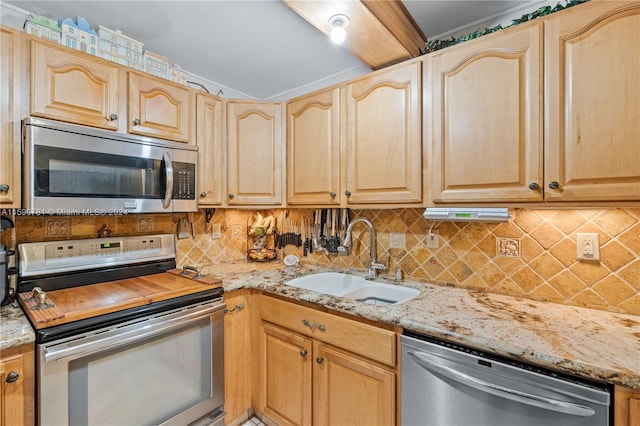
(164, 369)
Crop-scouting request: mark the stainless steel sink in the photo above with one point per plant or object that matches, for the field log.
(355, 287)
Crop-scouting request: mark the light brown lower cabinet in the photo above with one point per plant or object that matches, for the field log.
(237, 354)
(17, 386)
(306, 378)
(626, 406)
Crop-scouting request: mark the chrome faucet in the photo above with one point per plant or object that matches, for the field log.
(374, 265)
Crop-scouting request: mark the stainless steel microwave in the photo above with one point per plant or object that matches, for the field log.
(70, 169)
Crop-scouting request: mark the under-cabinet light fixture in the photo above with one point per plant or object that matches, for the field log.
(338, 23)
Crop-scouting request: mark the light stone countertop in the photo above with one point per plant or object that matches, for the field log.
(15, 329)
(593, 344)
(589, 343)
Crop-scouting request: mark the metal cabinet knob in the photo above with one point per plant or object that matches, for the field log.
(319, 360)
(231, 196)
(347, 193)
(554, 185)
(203, 194)
(534, 186)
(321, 327)
(4, 187)
(137, 122)
(303, 353)
(12, 377)
(113, 117)
(332, 194)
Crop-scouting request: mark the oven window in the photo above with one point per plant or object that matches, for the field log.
(143, 383)
(61, 172)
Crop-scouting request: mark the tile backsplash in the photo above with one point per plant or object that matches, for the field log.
(533, 256)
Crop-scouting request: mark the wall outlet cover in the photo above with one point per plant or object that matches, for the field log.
(397, 240)
(432, 240)
(588, 246)
(216, 231)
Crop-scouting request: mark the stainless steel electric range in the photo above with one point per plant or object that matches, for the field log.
(122, 337)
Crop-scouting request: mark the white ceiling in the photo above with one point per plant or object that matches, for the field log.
(256, 49)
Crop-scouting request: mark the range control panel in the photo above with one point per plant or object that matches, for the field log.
(72, 255)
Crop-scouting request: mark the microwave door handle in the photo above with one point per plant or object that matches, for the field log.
(168, 193)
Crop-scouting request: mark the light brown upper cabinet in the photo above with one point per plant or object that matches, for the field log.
(210, 149)
(484, 124)
(10, 107)
(158, 108)
(72, 86)
(255, 154)
(592, 56)
(383, 137)
(313, 149)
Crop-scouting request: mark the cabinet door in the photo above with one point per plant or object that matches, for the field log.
(313, 149)
(158, 108)
(210, 149)
(10, 92)
(16, 386)
(593, 103)
(384, 145)
(73, 86)
(255, 152)
(351, 391)
(486, 118)
(237, 353)
(626, 406)
(287, 370)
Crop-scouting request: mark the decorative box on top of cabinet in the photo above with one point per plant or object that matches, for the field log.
(483, 128)
(592, 80)
(10, 116)
(255, 154)
(72, 86)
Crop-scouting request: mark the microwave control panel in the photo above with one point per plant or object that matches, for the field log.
(184, 181)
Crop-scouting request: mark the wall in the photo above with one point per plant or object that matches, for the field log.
(467, 256)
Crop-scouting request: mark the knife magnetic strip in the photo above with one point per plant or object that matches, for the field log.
(39, 316)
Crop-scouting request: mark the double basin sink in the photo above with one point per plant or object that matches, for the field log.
(354, 287)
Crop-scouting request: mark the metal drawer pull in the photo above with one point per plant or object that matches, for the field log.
(319, 360)
(235, 308)
(303, 352)
(4, 187)
(12, 377)
(320, 327)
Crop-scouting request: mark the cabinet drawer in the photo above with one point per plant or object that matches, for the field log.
(363, 339)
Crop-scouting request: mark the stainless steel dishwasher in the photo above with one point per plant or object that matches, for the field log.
(445, 384)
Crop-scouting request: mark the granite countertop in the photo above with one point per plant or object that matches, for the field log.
(15, 329)
(585, 342)
(589, 343)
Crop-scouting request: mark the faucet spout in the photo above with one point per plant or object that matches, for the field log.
(374, 265)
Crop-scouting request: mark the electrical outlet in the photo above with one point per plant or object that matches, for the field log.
(588, 246)
(398, 240)
(432, 239)
(216, 231)
(236, 231)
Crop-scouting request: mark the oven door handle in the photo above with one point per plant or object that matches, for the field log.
(436, 365)
(123, 335)
(168, 167)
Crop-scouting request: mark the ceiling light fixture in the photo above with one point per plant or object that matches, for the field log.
(338, 23)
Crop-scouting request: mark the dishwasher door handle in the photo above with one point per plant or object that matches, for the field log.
(434, 364)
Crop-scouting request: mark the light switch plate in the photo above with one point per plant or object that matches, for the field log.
(216, 231)
(588, 246)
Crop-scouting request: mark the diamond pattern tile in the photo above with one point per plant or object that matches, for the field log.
(547, 268)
